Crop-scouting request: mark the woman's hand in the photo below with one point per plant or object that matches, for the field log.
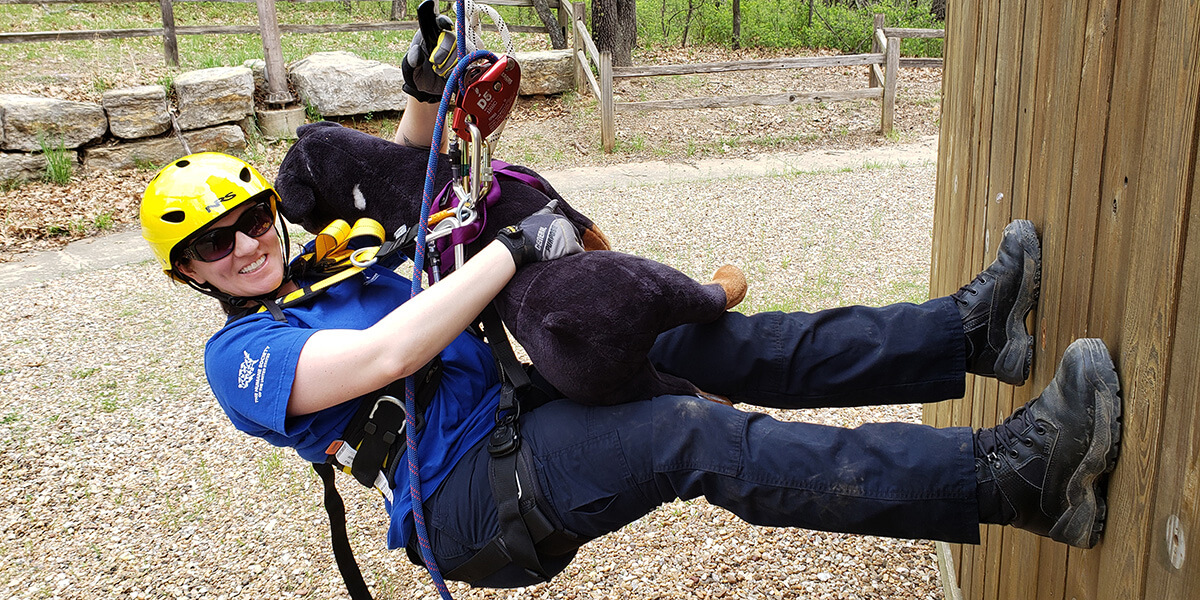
(544, 235)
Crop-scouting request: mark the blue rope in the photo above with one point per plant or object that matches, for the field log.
(410, 395)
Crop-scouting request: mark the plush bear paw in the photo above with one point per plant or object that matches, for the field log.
(733, 281)
(713, 398)
(594, 239)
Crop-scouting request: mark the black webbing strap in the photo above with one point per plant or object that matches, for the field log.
(342, 551)
(510, 367)
(503, 444)
(495, 555)
(381, 438)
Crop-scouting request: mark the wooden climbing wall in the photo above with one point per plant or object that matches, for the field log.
(1082, 116)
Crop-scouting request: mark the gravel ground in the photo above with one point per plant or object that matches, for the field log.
(121, 477)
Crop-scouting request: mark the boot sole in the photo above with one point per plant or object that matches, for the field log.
(1081, 524)
(1015, 358)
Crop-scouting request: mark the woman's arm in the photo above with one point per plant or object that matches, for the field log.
(337, 365)
(417, 124)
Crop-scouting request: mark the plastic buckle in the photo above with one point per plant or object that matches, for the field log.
(505, 437)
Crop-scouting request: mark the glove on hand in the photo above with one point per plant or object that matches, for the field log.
(431, 55)
(544, 235)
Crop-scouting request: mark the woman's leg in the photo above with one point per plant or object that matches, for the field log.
(602, 468)
(597, 469)
(850, 356)
(858, 355)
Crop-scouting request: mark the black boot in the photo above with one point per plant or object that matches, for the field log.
(994, 305)
(1043, 468)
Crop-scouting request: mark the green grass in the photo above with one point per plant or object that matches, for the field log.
(58, 160)
(270, 466)
(104, 221)
(83, 372)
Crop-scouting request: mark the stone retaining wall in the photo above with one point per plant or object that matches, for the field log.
(213, 110)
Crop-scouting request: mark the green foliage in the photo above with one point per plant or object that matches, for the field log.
(58, 161)
(311, 112)
(104, 221)
(784, 23)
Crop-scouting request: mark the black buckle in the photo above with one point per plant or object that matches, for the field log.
(506, 436)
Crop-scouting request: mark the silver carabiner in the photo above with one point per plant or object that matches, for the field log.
(362, 264)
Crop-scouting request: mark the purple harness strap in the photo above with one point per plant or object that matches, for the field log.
(470, 233)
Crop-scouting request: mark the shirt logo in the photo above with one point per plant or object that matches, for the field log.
(253, 370)
(246, 371)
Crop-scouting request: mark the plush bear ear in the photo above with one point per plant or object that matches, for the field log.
(335, 172)
(294, 186)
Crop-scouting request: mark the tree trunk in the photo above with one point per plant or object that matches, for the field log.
(737, 24)
(557, 39)
(614, 26)
(938, 9)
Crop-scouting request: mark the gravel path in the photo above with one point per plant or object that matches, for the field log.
(121, 477)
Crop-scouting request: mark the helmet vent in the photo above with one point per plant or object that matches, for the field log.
(175, 216)
(181, 164)
(245, 175)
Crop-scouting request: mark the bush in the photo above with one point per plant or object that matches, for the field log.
(784, 24)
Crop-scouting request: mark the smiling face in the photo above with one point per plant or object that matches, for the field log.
(255, 267)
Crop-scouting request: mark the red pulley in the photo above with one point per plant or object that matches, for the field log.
(488, 97)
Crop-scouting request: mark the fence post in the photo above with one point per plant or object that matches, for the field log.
(608, 129)
(892, 54)
(277, 89)
(170, 44)
(577, 13)
(564, 19)
(880, 20)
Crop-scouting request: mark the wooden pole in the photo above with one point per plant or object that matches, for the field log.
(277, 89)
(876, 48)
(608, 128)
(577, 12)
(892, 52)
(170, 43)
(565, 24)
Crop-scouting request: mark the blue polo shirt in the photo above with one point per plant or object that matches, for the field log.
(251, 362)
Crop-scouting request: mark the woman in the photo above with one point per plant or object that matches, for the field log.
(297, 375)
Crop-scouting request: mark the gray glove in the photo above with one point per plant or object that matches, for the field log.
(544, 235)
(431, 55)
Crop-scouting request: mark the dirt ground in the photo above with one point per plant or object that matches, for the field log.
(543, 132)
(122, 478)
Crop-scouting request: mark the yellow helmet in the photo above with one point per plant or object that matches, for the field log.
(189, 194)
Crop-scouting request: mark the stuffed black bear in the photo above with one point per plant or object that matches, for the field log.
(586, 321)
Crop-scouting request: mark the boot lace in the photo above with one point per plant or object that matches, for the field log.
(970, 288)
(1004, 438)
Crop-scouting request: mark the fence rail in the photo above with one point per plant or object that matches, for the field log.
(883, 64)
(170, 30)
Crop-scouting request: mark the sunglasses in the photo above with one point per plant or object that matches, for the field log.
(218, 242)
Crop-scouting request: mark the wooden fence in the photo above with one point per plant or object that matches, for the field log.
(883, 63)
(1084, 117)
(268, 25)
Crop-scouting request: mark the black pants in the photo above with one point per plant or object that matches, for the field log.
(597, 469)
